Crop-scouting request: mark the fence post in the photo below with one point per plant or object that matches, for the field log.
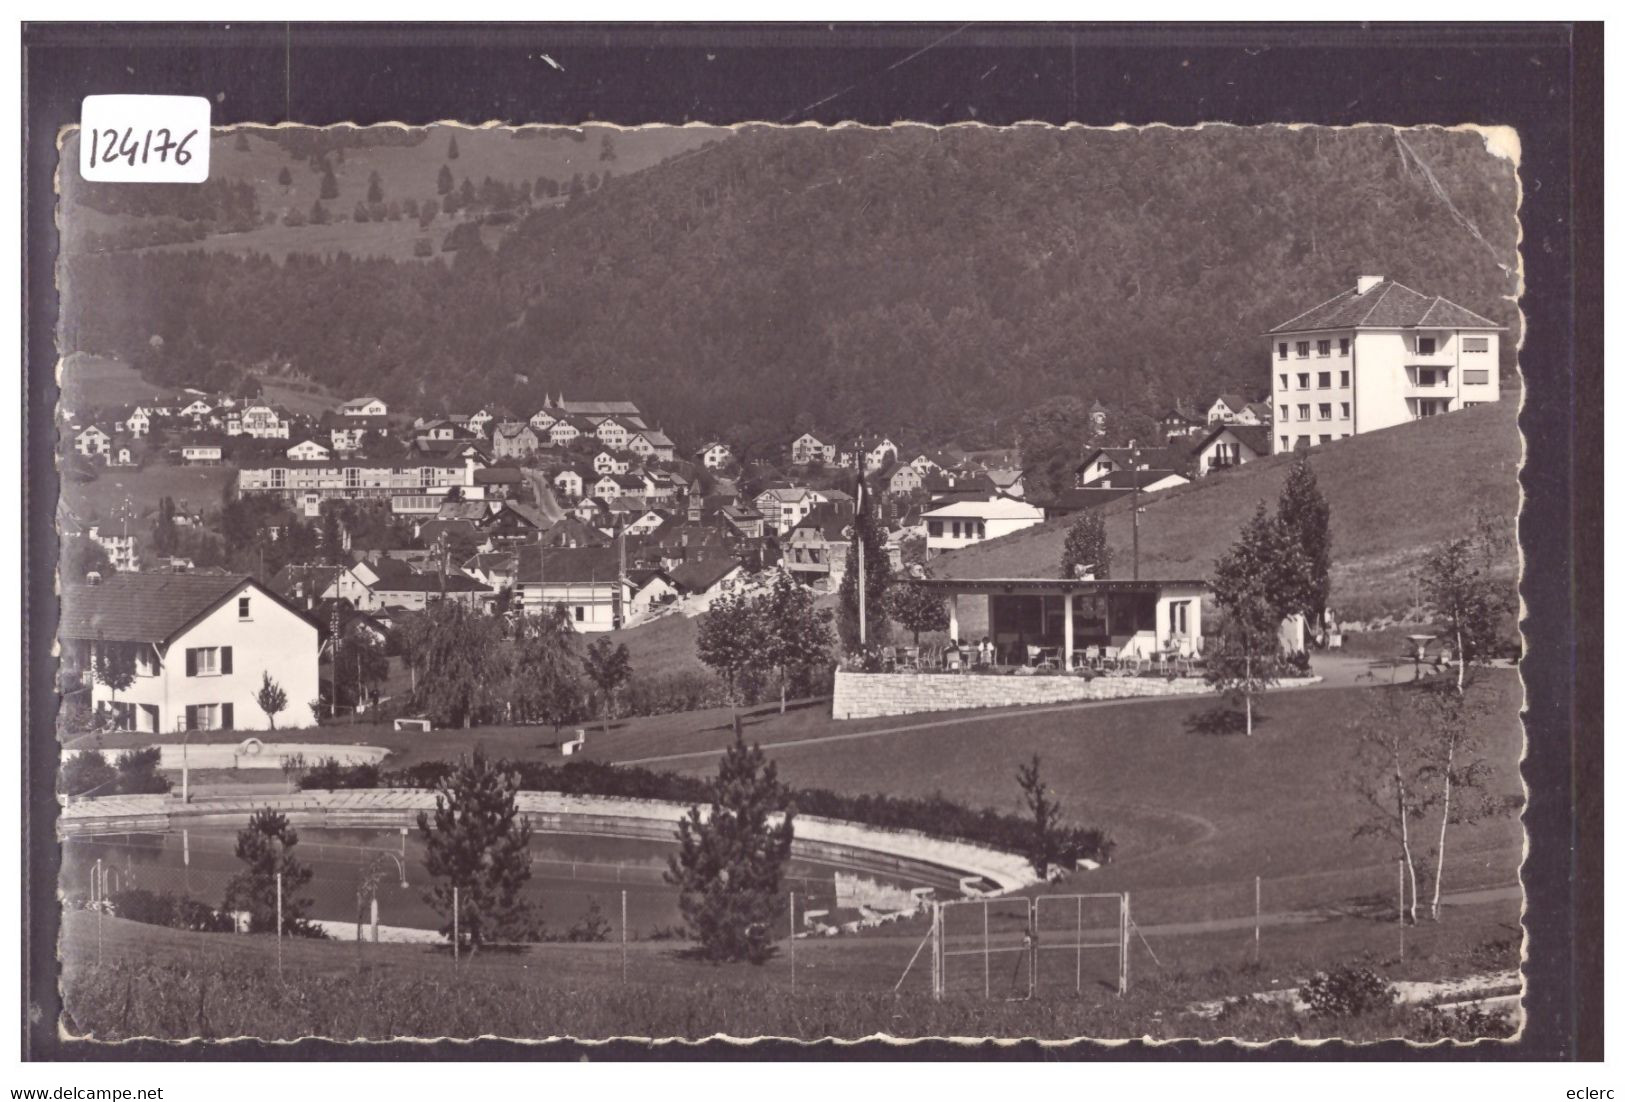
(1032, 942)
(1402, 909)
(623, 931)
(96, 901)
(987, 956)
(456, 933)
(792, 943)
(1078, 987)
(279, 925)
(375, 917)
(1122, 949)
(1258, 912)
(936, 951)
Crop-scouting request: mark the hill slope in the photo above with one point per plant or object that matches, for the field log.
(912, 281)
(1392, 494)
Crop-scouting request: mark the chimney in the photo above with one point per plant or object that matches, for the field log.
(1366, 283)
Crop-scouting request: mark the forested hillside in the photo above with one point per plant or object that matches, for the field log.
(922, 282)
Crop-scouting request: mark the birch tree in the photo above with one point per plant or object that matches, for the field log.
(1394, 777)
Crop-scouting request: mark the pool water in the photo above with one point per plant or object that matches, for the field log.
(569, 873)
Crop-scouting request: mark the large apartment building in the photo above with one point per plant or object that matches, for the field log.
(1376, 355)
(305, 484)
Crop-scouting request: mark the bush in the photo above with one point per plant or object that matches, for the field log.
(935, 815)
(1469, 1023)
(138, 772)
(675, 692)
(88, 773)
(329, 775)
(1346, 992)
(591, 927)
(164, 909)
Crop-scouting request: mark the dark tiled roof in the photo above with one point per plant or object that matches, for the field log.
(698, 575)
(143, 608)
(1388, 305)
(1071, 501)
(430, 583)
(568, 565)
(1256, 437)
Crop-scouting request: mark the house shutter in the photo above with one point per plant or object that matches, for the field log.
(191, 671)
(227, 718)
(225, 659)
(191, 709)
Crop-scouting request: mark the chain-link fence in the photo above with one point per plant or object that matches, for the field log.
(608, 921)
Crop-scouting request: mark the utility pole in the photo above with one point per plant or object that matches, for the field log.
(1134, 473)
(857, 534)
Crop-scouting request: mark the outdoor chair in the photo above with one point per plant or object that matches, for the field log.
(952, 662)
(908, 658)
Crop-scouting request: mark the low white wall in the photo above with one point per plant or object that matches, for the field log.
(392, 808)
(865, 695)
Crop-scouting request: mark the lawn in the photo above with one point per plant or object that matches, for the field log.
(121, 979)
(101, 381)
(103, 500)
(1393, 493)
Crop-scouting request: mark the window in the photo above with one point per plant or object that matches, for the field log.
(1343, 378)
(1475, 376)
(1342, 346)
(1468, 344)
(243, 606)
(1281, 350)
(352, 477)
(1426, 346)
(210, 717)
(1427, 376)
(1284, 445)
(1323, 348)
(1432, 407)
(1303, 380)
(1303, 350)
(1343, 410)
(1286, 413)
(1303, 411)
(1324, 380)
(1283, 379)
(934, 528)
(1325, 439)
(279, 478)
(581, 613)
(1325, 411)
(426, 476)
(207, 661)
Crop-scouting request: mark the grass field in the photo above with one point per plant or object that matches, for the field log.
(1393, 493)
(103, 500)
(159, 982)
(99, 381)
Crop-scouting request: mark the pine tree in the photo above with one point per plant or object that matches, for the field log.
(1045, 843)
(285, 177)
(1086, 546)
(477, 848)
(330, 183)
(451, 149)
(443, 183)
(1304, 514)
(375, 189)
(729, 865)
(266, 846)
(164, 534)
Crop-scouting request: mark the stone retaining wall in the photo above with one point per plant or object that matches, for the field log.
(863, 695)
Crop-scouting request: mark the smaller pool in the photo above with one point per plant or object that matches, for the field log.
(569, 873)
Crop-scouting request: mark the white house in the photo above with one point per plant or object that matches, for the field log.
(613, 433)
(876, 452)
(808, 448)
(91, 441)
(785, 506)
(263, 422)
(587, 581)
(119, 546)
(1376, 355)
(367, 406)
(716, 455)
(197, 408)
(1231, 446)
(200, 646)
(652, 444)
(139, 422)
(568, 482)
(308, 450)
(542, 421)
(962, 523)
(201, 455)
(608, 463)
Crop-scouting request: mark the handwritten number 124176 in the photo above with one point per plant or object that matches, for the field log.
(152, 145)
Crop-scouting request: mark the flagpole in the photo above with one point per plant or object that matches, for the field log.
(857, 533)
